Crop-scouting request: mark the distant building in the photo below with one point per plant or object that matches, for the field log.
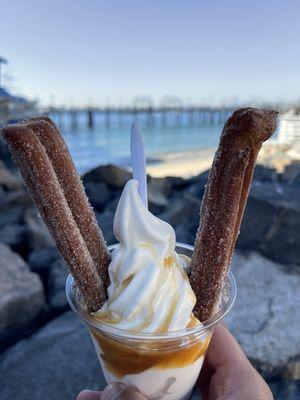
(13, 107)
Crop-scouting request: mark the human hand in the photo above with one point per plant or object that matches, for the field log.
(226, 375)
(113, 391)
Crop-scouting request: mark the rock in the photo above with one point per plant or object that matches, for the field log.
(38, 234)
(21, 296)
(98, 194)
(265, 174)
(198, 187)
(184, 235)
(12, 215)
(5, 155)
(291, 174)
(12, 230)
(271, 224)
(56, 363)
(112, 175)
(18, 198)
(40, 261)
(180, 183)
(58, 274)
(158, 191)
(8, 180)
(15, 236)
(285, 389)
(263, 318)
(184, 213)
(105, 221)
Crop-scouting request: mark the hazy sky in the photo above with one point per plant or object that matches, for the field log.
(82, 51)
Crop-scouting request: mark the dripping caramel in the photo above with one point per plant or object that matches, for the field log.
(124, 358)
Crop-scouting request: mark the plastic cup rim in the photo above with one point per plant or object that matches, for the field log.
(110, 330)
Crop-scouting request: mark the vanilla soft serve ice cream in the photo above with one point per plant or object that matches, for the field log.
(149, 293)
(149, 290)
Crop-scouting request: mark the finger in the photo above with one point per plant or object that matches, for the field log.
(89, 395)
(204, 378)
(224, 350)
(121, 391)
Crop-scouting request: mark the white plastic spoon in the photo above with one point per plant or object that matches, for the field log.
(138, 162)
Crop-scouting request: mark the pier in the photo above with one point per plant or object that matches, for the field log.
(166, 116)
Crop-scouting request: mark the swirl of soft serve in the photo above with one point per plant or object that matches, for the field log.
(149, 289)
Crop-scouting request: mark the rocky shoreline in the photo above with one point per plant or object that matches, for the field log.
(46, 350)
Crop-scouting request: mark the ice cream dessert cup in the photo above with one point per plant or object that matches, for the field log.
(159, 365)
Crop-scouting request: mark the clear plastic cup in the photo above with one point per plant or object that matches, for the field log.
(159, 365)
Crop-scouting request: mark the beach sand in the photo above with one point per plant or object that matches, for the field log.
(191, 163)
(184, 164)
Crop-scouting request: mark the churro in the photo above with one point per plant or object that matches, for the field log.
(224, 202)
(52, 181)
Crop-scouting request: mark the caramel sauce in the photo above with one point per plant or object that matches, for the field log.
(169, 261)
(124, 358)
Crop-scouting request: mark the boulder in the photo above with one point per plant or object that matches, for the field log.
(291, 174)
(56, 297)
(264, 317)
(265, 174)
(21, 296)
(98, 194)
(105, 221)
(17, 198)
(285, 389)
(15, 236)
(8, 180)
(56, 363)
(11, 215)
(198, 185)
(271, 224)
(5, 155)
(159, 189)
(183, 213)
(115, 177)
(38, 234)
(41, 260)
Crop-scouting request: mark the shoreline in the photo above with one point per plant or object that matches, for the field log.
(191, 163)
(184, 164)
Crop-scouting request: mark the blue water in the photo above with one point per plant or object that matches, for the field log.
(110, 144)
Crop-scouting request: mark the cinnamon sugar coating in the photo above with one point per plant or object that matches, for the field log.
(224, 202)
(52, 181)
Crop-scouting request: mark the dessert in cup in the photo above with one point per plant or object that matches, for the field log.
(150, 305)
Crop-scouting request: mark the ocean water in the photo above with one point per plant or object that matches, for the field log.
(110, 142)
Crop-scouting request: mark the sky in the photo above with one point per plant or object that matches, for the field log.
(80, 52)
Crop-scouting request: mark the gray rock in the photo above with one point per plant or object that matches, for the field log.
(285, 389)
(12, 215)
(38, 234)
(184, 212)
(105, 221)
(15, 236)
(271, 224)
(58, 273)
(265, 174)
(159, 189)
(5, 155)
(197, 186)
(291, 173)
(98, 194)
(8, 180)
(112, 175)
(17, 198)
(40, 261)
(180, 183)
(21, 296)
(56, 363)
(264, 317)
